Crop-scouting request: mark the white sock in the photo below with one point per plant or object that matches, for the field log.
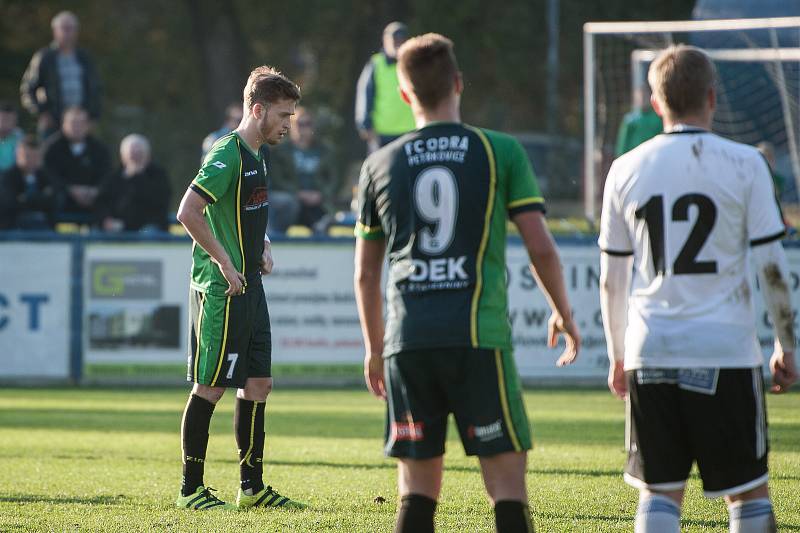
(657, 514)
(752, 516)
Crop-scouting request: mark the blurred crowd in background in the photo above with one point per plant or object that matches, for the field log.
(64, 177)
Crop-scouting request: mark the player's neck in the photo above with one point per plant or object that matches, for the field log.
(702, 122)
(448, 111)
(248, 131)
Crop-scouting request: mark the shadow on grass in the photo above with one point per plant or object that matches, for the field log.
(391, 465)
(723, 524)
(604, 518)
(324, 425)
(104, 499)
(717, 524)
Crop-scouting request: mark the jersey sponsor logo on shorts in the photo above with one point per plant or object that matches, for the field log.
(410, 431)
(437, 274)
(219, 164)
(258, 199)
(437, 149)
(486, 433)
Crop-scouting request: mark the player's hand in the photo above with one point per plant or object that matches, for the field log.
(266, 260)
(617, 383)
(373, 375)
(235, 279)
(558, 326)
(784, 371)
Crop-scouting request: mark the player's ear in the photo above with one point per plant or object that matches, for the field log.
(259, 110)
(459, 83)
(405, 97)
(656, 106)
(712, 99)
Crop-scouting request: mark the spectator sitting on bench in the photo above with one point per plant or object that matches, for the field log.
(79, 162)
(29, 194)
(136, 196)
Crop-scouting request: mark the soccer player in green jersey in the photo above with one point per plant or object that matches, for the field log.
(436, 202)
(225, 212)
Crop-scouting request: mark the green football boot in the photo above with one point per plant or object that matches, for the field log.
(203, 500)
(267, 497)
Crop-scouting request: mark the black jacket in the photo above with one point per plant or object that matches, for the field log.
(139, 200)
(38, 199)
(89, 168)
(40, 89)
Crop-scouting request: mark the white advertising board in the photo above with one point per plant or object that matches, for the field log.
(135, 307)
(135, 303)
(312, 305)
(35, 281)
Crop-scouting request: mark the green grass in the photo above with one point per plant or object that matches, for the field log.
(109, 460)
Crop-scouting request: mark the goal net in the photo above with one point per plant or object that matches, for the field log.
(758, 89)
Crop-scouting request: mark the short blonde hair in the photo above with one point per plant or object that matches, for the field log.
(680, 78)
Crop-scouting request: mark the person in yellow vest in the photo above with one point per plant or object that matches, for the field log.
(381, 114)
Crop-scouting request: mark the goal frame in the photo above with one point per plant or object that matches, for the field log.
(591, 30)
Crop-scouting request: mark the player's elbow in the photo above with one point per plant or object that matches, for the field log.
(608, 284)
(184, 214)
(364, 275)
(544, 256)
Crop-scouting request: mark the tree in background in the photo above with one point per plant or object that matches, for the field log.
(170, 68)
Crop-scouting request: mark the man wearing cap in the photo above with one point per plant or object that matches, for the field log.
(381, 114)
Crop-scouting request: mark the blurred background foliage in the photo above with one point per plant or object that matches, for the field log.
(169, 68)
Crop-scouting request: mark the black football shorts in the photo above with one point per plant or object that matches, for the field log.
(230, 338)
(480, 387)
(716, 417)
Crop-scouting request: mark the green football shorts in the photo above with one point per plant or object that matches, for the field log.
(480, 387)
(230, 338)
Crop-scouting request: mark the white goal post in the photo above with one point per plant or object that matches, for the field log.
(760, 45)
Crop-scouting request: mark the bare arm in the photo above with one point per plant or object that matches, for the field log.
(773, 274)
(190, 214)
(546, 268)
(367, 281)
(615, 279)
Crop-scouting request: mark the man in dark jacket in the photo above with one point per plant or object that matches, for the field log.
(60, 76)
(79, 162)
(136, 196)
(28, 189)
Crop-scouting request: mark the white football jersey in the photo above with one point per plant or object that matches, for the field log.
(688, 205)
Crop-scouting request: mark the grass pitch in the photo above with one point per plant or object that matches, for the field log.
(109, 460)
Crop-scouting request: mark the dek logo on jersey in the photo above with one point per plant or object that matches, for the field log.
(442, 269)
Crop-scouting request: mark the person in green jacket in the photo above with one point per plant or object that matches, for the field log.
(638, 125)
(767, 149)
(381, 114)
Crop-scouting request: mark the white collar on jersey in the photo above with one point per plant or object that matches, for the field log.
(685, 128)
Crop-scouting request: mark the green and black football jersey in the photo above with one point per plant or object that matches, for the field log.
(440, 197)
(233, 180)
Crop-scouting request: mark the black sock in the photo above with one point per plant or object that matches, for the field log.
(416, 514)
(194, 441)
(512, 516)
(248, 423)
